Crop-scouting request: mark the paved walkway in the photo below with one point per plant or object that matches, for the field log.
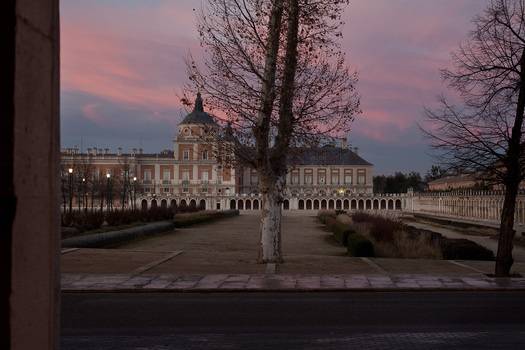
(223, 255)
(280, 282)
(484, 240)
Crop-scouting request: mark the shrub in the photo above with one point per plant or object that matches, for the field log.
(323, 215)
(330, 222)
(381, 229)
(341, 232)
(93, 220)
(83, 221)
(359, 246)
(464, 249)
(188, 219)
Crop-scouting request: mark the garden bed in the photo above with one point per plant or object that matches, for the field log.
(388, 237)
(188, 219)
(111, 235)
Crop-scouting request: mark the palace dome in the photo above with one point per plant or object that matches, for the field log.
(198, 116)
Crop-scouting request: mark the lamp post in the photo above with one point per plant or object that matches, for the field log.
(109, 200)
(70, 179)
(84, 199)
(134, 195)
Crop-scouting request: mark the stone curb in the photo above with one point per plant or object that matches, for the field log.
(228, 283)
(112, 237)
(293, 290)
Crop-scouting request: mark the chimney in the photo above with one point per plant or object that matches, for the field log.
(133, 152)
(119, 151)
(140, 150)
(100, 151)
(344, 143)
(106, 150)
(89, 151)
(356, 150)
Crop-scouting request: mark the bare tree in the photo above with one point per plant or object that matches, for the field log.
(275, 72)
(484, 135)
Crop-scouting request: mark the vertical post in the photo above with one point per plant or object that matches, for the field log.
(30, 140)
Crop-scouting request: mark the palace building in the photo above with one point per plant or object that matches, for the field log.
(191, 174)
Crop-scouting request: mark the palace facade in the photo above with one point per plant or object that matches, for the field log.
(190, 172)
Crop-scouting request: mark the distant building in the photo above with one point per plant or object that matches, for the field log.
(456, 182)
(191, 173)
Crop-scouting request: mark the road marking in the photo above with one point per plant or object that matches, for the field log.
(374, 265)
(465, 266)
(68, 250)
(155, 263)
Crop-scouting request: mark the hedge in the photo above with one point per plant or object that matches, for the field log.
(324, 215)
(359, 246)
(341, 232)
(464, 249)
(202, 217)
(330, 223)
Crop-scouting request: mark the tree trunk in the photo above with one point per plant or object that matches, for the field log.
(270, 228)
(504, 258)
(512, 181)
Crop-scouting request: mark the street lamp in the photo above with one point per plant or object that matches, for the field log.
(84, 200)
(109, 200)
(70, 179)
(134, 199)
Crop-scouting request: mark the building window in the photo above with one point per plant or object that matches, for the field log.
(147, 189)
(335, 177)
(186, 154)
(166, 190)
(147, 176)
(321, 177)
(295, 177)
(254, 179)
(204, 176)
(348, 177)
(166, 176)
(204, 155)
(361, 176)
(308, 179)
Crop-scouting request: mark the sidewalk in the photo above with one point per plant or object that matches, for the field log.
(281, 283)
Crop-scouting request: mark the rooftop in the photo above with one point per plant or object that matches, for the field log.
(327, 155)
(198, 116)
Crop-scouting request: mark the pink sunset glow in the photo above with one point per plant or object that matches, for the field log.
(123, 64)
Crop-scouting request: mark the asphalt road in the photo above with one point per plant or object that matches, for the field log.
(368, 320)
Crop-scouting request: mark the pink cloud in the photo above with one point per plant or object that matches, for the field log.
(91, 113)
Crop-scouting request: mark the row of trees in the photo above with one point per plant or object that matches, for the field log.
(83, 188)
(401, 182)
(398, 183)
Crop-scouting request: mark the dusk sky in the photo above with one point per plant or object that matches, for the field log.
(123, 66)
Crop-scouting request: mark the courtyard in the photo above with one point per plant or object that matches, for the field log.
(230, 246)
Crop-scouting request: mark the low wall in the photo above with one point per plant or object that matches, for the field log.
(113, 237)
(482, 206)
